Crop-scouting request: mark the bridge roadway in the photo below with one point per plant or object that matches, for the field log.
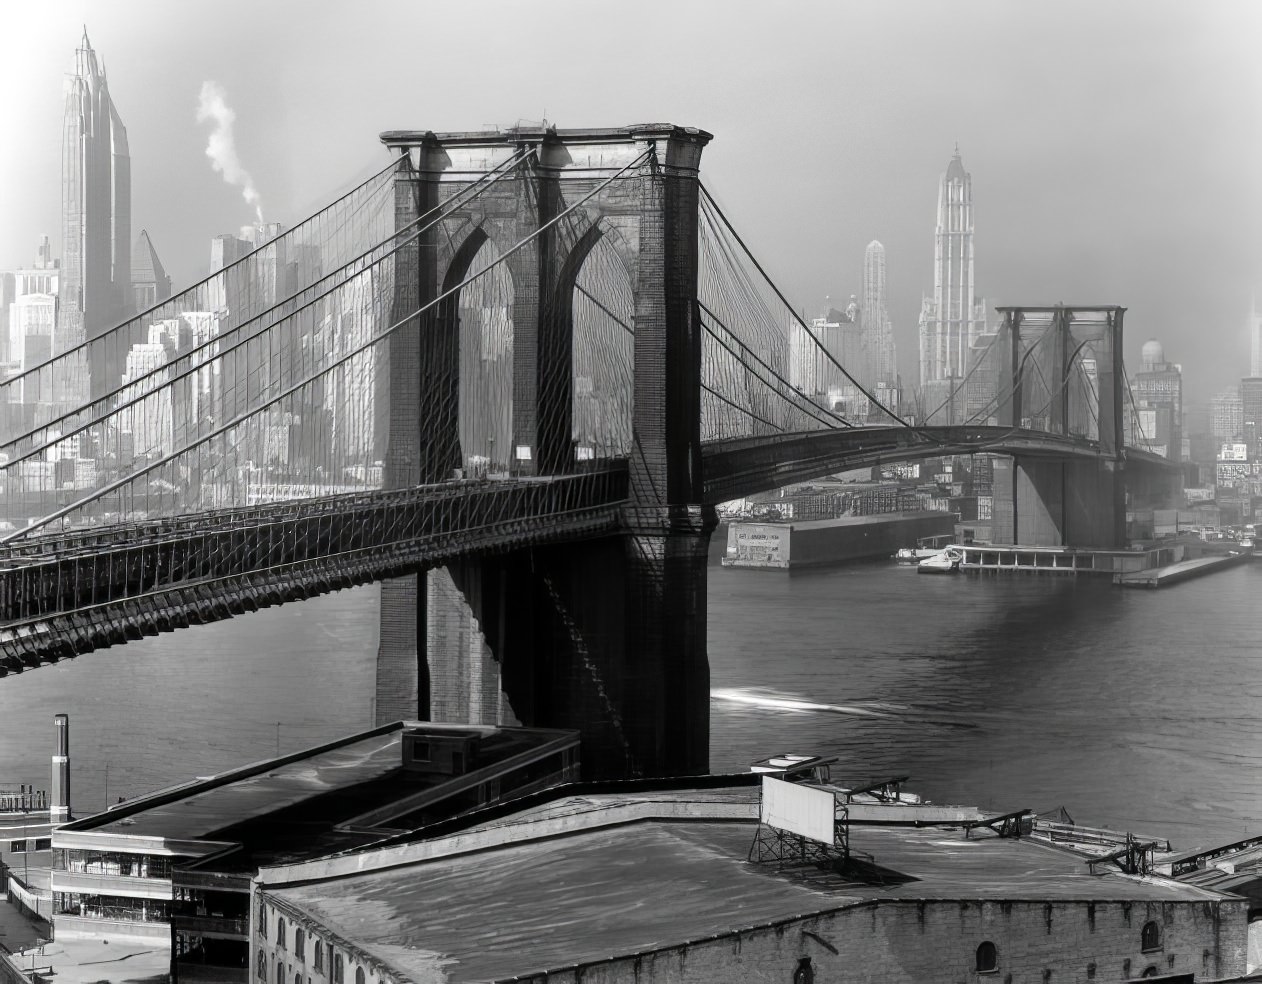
(69, 593)
(66, 593)
(747, 465)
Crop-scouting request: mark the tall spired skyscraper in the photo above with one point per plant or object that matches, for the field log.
(878, 331)
(96, 219)
(953, 317)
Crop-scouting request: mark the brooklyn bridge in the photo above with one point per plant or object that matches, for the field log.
(510, 376)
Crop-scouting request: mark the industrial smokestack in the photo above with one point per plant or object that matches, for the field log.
(59, 810)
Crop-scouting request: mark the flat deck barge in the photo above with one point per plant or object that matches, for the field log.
(1159, 577)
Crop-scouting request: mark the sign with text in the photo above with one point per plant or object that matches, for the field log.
(803, 810)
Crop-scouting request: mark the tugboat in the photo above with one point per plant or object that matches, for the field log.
(944, 562)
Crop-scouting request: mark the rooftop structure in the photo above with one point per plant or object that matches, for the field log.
(174, 867)
(150, 283)
(653, 883)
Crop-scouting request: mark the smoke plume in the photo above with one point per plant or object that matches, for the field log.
(221, 146)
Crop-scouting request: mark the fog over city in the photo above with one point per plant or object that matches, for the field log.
(1113, 148)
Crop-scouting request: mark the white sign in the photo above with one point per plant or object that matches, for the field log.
(523, 452)
(798, 809)
(1234, 452)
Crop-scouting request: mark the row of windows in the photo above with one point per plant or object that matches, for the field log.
(300, 939)
(113, 863)
(360, 976)
(111, 907)
(30, 844)
(987, 958)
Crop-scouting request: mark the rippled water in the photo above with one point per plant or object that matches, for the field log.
(1131, 708)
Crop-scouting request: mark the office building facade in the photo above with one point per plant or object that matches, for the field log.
(96, 219)
(953, 318)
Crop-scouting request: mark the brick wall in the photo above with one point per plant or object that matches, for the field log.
(914, 942)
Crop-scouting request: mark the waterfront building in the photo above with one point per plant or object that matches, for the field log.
(150, 283)
(654, 882)
(1158, 392)
(28, 816)
(96, 219)
(878, 330)
(954, 316)
(174, 868)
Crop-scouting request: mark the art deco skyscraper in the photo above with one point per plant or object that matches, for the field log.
(953, 318)
(878, 331)
(96, 217)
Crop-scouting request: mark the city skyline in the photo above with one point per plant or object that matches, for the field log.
(1060, 217)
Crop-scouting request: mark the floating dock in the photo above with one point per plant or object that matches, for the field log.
(1159, 577)
(1024, 559)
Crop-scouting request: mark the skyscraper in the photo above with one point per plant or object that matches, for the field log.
(878, 331)
(954, 317)
(95, 215)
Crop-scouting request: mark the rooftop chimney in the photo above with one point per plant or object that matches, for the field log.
(59, 809)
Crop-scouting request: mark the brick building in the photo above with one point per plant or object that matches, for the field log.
(652, 883)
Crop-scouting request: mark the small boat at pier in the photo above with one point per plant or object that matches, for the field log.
(943, 562)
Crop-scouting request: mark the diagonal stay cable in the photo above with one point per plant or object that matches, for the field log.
(967, 376)
(734, 405)
(401, 323)
(808, 407)
(217, 342)
(845, 372)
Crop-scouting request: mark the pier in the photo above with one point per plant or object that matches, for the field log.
(1160, 577)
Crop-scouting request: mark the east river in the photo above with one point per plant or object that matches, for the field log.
(1131, 708)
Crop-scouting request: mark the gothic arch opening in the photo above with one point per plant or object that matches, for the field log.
(602, 349)
(476, 324)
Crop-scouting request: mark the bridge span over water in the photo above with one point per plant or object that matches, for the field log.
(510, 376)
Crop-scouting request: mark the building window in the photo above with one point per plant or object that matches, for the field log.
(297, 978)
(359, 975)
(262, 966)
(44, 844)
(17, 847)
(280, 972)
(1150, 936)
(317, 949)
(280, 935)
(337, 968)
(987, 958)
(1149, 971)
(300, 945)
(805, 973)
(262, 920)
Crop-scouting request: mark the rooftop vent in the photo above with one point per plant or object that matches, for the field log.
(443, 753)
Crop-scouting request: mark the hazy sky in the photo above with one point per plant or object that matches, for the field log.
(1114, 147)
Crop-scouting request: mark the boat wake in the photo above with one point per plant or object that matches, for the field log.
(870, 709)
(762, 698)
